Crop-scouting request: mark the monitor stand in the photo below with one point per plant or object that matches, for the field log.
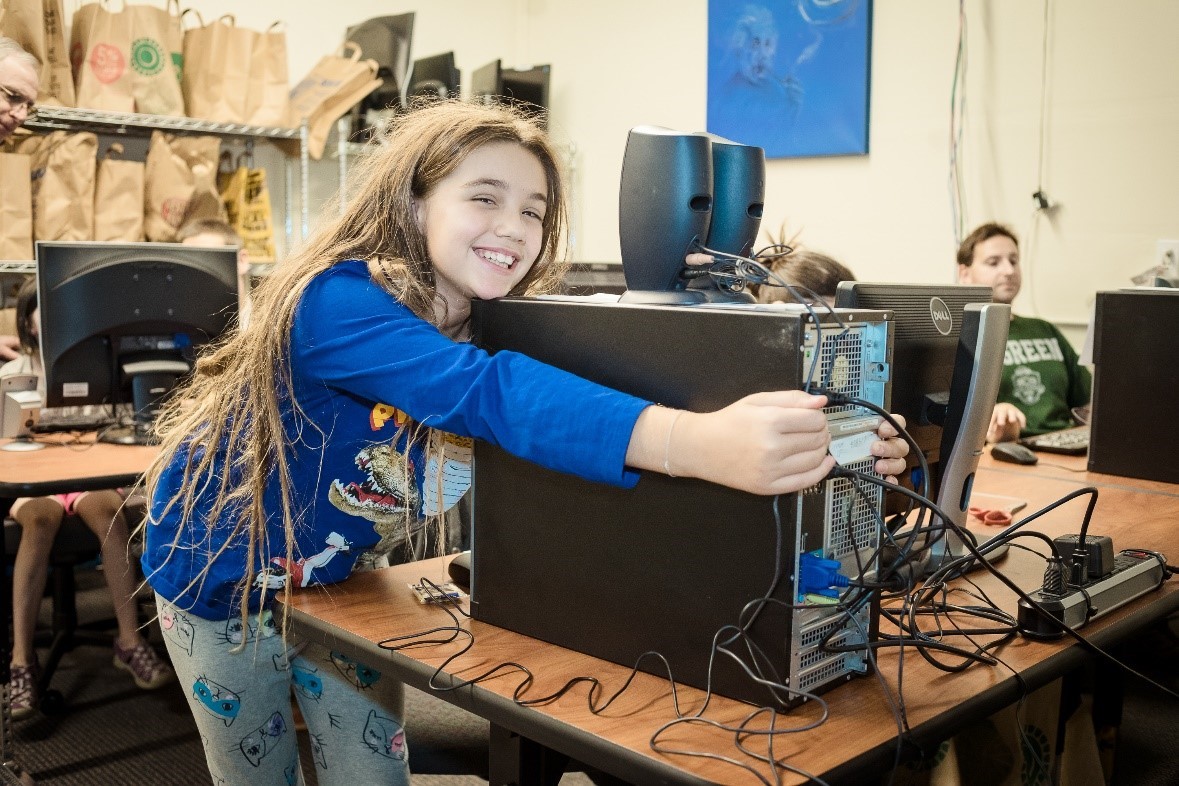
(23, 444)
(951, 548)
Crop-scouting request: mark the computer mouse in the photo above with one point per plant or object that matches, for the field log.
(1014, 452)
(459, 569)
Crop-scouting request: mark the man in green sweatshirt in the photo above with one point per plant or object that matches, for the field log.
(1042, 380)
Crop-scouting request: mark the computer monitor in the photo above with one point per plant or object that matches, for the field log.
(388, 40)
(947, 362)
(121, 322)
(433, 77)
(527, 88)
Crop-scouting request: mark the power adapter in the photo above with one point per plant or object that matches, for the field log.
(1098, 556)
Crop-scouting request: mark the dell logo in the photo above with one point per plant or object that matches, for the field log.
(940, 313)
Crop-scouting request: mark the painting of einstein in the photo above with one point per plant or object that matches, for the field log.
(790, 76)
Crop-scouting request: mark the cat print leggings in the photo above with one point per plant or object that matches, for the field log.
(242, 704)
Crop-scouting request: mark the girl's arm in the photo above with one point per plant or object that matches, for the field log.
(765, 443)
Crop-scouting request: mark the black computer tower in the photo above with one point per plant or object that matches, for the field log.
(668, 564)
(1133, 431)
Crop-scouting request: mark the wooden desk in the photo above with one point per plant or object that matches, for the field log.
(64, 466)
(860, 733)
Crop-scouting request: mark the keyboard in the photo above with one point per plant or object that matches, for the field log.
(1070, 441)
(51, 424)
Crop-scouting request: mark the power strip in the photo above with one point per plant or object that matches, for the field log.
(1135, 573)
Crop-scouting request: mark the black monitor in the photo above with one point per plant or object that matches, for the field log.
(527, 88)
(433, 77)
(121, 322)
(388, 40)
(486, 83)
(946, 365)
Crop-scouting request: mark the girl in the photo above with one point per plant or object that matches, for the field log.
(40, 519)
(311, 441)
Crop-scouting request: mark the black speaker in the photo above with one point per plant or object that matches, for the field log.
(664, 204)
(738, 195)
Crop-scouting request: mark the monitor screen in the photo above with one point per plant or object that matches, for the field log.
(121, 322)
(386, 39)
(433, 77)
(485, 82)
(528, 87)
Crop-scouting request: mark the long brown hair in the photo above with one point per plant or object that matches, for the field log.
(224, 429)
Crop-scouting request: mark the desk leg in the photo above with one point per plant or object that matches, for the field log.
(518, 761)
(10, 771)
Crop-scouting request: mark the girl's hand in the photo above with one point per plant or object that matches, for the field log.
(765, 443)
(890, 449)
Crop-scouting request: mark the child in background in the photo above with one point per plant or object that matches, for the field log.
(305, 444)
(39, 519)
(211, 233)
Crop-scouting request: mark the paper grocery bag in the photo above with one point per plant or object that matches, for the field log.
(216, 79)
(118, 198)
(157, 58)
(321, 121)
(331, 88)
(180, 183)
(39, 27)
(100, 48)
(16, 208)
(62, 177)
(270, 85)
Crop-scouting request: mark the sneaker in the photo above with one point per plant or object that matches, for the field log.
(144, 665)
(22, 690)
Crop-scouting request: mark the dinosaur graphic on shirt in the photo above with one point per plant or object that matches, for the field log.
(382, 496)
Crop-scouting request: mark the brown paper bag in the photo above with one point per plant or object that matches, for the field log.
(118, 198)
(270, 85)
(62, 176)
(100, 49)
(321, 121)
(180, 183)
(331, 88)
(157, 58)
(216, 79)
(16, 208)
(39, 27)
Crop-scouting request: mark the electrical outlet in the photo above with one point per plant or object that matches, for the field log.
(1166, 255)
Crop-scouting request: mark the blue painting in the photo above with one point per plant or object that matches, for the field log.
(790, 76)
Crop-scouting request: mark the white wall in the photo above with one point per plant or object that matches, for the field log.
(1112, 116)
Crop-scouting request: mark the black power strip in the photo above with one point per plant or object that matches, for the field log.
(1134, 574)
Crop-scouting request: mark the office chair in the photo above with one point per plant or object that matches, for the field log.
(75, 545)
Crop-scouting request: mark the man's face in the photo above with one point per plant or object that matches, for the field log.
(19, 81)
(995, 264)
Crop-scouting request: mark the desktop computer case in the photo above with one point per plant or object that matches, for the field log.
(1135, 364)
(662, 567)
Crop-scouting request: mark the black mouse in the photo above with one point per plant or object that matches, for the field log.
(459, 569)
(1014, 452)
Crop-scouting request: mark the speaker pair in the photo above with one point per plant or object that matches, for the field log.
(682, 191)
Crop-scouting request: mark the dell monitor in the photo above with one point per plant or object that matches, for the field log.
(947, 362)
(433, 77)
(121, 322)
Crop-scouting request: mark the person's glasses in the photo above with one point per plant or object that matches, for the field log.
(16, 101)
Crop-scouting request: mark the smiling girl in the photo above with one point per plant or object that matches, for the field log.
(310, 443)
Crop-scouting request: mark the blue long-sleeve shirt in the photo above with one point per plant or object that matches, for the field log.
(361, 362)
